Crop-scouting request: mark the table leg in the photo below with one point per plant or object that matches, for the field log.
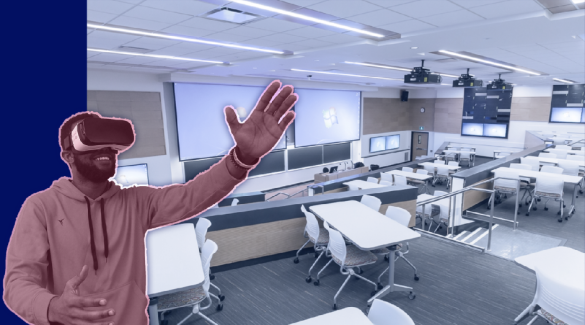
(573, 200)
(153, 311)
(391, 286)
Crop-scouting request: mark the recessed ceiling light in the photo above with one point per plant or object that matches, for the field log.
(489, 62)
(344, 74)
(305, 17)
(154, 56)
(179, 38)
(414, 47)
(562, 80)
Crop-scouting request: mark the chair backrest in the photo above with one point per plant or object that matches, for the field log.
(373, 180)
(575, 158)
(578, 153)
(551, 169)
(407, 169)
(465, 154)
(353, 187)
(303, 209)
(442, 162)
(201, 230)
(429, 169)
(465, 149)
(385, 313)
(569, 168)
(386, 177)
(549, 184)
(521, 166)
(422, 171)
(442, 171)
(399, 215)
(207, 251)
(564, 302)
(336, 243)
(235, 202)
(562, 147)
(547, 155)
(371, 202)
(507, 173)
(532, 161)
(561, 154)
(386, 183)
(453, 163)
(399, 180)
(312, 226)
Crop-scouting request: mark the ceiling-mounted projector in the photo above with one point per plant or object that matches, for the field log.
(467, 81)
(499, 84)
(420, 75)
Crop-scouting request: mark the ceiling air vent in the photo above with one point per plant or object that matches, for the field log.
(232, 15)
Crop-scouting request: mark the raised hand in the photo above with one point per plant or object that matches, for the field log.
(261, 131)
(69, 307)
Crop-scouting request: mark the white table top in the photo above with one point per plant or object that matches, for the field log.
(556, 161)
(173, 260)
(531, 173)
(568, 264)
(366, 228)
(439, 165)
(466, 147)
(459, 151)
(363, 184)
(345, 316)
(569, 152)
(410, 175)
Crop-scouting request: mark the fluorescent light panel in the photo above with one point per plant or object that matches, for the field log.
(153, 56)
(488, 62)
(179, 38)
(305, 17)
(562, 80)
(343, 74)
(394, 68)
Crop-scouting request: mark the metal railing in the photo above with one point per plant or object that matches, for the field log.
(451, 216)
(288, 196)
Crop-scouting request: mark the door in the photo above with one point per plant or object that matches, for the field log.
(420, 144)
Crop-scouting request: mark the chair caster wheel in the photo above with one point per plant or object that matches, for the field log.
(518, 213)
(545, 209)
(219, 307)
(534, 208)
(334, 306)
(527, 214)
(566, 218)
(416, 278)
(519, 205)
(560, 219)
(489, 207)
(373, 293)
(308, 279)
(380, 286)
(211, 277)
(433, 185)
(360, 272)
(386, 258)
(411, 296)
(316, 283)
(538, 200)
(164, 322)
(559, 213)
(580, 192)
(296, 260)
(221, 297)
(316, 254)
(564, 206)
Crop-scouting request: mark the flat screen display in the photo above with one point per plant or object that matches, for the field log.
(127, 176)
(201, 125)
(472, 129)
(393, 142)
(326, 116)
(567, 114)
(495, 130)
(377, 144)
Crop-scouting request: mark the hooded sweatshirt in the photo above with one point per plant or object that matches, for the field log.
(59, 230)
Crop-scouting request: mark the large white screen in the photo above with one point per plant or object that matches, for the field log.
(127, 176)
(393, 142)
(201, 124)
(326, 116)
(377, 144)
(566, 114)
(495, 130)
(472, 129)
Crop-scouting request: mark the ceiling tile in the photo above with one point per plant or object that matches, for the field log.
(139, 60)
(264, 43)
(108, 40)
(156, 15)
(407, 26)
(304, 3)
(426, 8)
(108, 57)
(187, 31)
(507, 8)
(214, 52)
(152, 43)
(310, 32)
(379, 17)
(100, 17)
(251, 32)
(344, 8)
(188, 7)
(227, 37)
(284, 38)
(475, 3)
(340, 38)
(108, 6)
(388, 3)
(139, 23)
(453, 18)
(242, 56)
(179, 50)
(209, 24)
(275, 25)
(312, 43)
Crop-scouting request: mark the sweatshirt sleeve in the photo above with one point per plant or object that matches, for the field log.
(174, 203)
(27, 261)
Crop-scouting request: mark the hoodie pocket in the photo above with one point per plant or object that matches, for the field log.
(128, 302)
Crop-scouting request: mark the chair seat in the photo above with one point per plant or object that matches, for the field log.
(416, 181)
(505, 189)
(181, 299)
(355, 257)
(323, 237)
(553, 195)
(550, 317)
(381, 251)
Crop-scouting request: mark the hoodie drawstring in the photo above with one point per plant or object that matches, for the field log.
(105, 233)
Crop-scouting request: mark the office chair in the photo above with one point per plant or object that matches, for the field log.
(347, 257)
(441, 162)
(386, 183)
(372, 180)
(505, 186)
(417, 182)
(550, 188)
(371, 202)
(235, 202)
(193, 297)
(386, 177)
(407, 169)
(525, 182)
(399, 180)
(572, 169)
(532, 162)
(547, 155)
(201, 232)
(385, 313)
(443, 218)
(442, 174)
(317, 235)
(563, 147)
(465, 156)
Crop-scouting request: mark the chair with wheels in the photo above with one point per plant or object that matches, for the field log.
(407, 169)
(371, 202)
(572, 169)
(317, 235)
(235, 202)
(442, 174)
(441, 219)
(547, 155)
(201, 232)
(532, 161)
(548, 187)
(385, 313)
(373, 180)
(386, 177)
(563, 147)
(347, 257)
(417, 182)
(441, 162)
(465, 156)
(503, 187)
(399, 180)
(525, 182)
(386, 183)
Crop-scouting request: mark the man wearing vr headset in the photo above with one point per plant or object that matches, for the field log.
(77, 255)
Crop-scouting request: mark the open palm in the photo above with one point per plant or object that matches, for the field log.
(261, 131)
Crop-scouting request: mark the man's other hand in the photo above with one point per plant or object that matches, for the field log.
(69, 307)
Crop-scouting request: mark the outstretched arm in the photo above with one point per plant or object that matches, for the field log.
(254, 138)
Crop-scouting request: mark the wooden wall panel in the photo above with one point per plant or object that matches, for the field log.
(471, 198)
(448, 113)
(144, 109)
(383, 115)
(530, 109)
(418, 119)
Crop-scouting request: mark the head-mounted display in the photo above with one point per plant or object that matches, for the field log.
(98, 133)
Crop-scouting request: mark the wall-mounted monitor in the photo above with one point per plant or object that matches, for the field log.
(377, 144)
(393, 142)
(495, 130)
(201, 125)
(327, 116)
(567, 115)
(127, 176)
(474, 129)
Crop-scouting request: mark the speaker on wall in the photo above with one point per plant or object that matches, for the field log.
(404, 95)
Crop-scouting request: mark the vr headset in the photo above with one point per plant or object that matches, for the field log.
(97, 133)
